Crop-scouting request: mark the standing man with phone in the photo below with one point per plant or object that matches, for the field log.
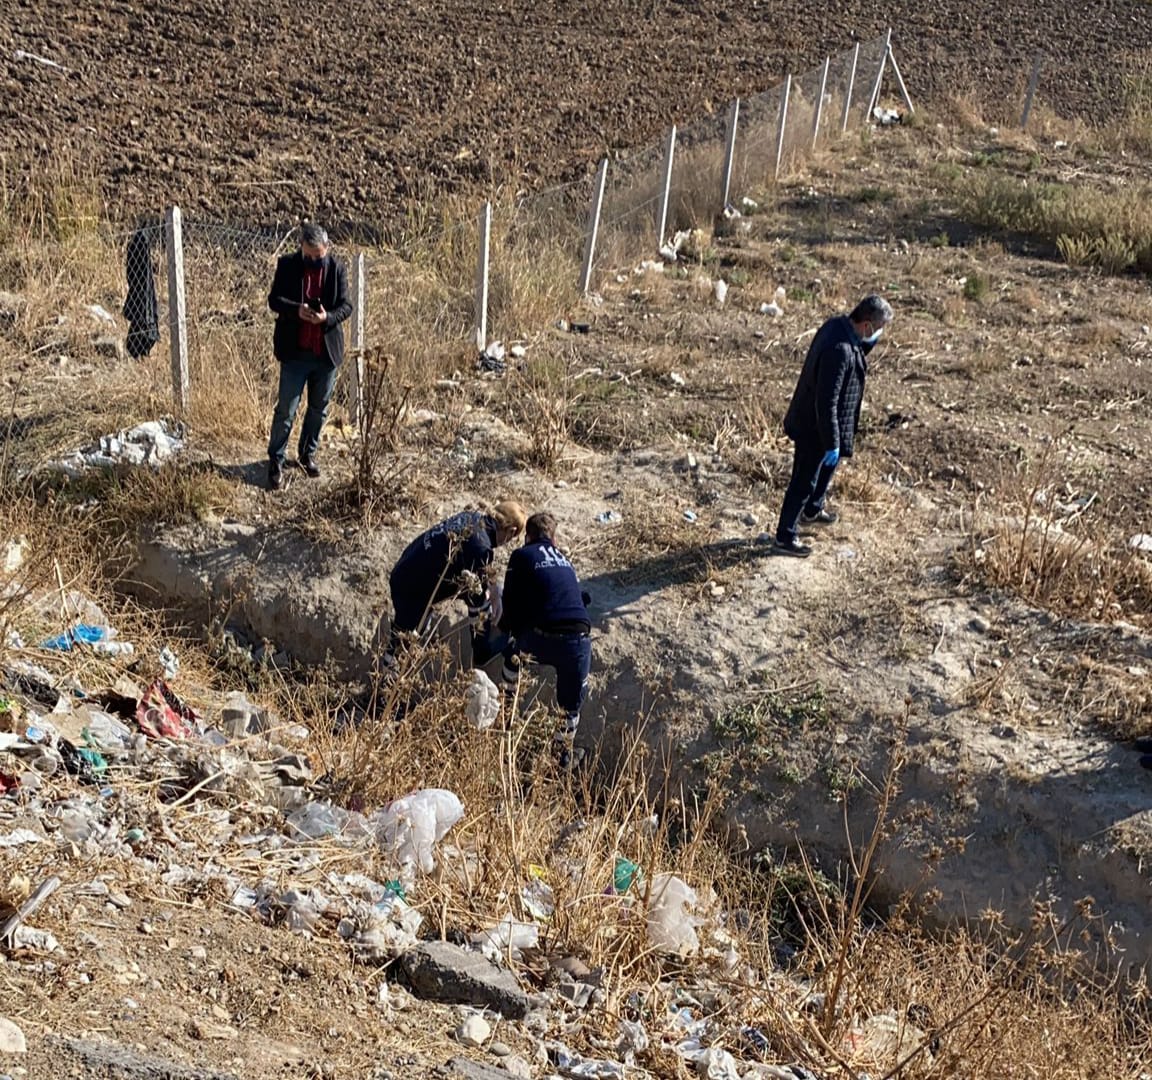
(310, 297)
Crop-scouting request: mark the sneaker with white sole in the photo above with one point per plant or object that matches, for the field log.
(793, 548)
(821, 517)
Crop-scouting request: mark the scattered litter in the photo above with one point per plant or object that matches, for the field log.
(410, 828)
(482, 701)
(492, 359)
(716, 1064)
(608, 517)
(100, 314)
(18, 837)
(690, 516)
(160, 714)
(148, 444)
(720, 291)
(538, 899)
(12, 1039)
(20, 54)
(749, 204)
(518, 352)
(625, 874)
(1141, 542)
(27, 937)
(671, 929)
(772, 309)
(649, 266)
(14, 554)
(886, 117)
(507, 937)
(676, 378)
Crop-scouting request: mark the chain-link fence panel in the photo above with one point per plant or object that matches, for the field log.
(629, 217)
(696, 193)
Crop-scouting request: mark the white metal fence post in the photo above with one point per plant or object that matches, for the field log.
(730, 152)
(177, 310)
(787, 93)
(900, 81)
(669, 157)
(874, 100)
(1033, 85)
(851, 88)
(356, 405)
(593, 226)
(820, 102)
(482, 278)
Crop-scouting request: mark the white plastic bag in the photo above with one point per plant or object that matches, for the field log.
(483, 701)
(411, 827)
(507, 938)
(671, 927)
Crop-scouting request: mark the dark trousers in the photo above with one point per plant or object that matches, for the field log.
(303, 373)
(806, 489)
(408, 617)
(570, 655)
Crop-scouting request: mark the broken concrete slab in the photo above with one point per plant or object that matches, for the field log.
(440, 971)
(111, 1061)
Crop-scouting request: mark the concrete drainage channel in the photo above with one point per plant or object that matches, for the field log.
(1052, 832)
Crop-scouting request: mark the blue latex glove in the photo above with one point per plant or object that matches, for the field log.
(831, 457)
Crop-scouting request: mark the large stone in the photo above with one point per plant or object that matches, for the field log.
(439, 971)
(110, 1061)
(11, 1038)
(470, 1070)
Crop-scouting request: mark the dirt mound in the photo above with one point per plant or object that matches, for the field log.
(265, 114)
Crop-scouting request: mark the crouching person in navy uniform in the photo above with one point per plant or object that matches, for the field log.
(447, 562)
(546, 615)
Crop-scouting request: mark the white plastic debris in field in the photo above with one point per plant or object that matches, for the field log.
(150, 443)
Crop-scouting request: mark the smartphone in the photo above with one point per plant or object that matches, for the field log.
(314, 304)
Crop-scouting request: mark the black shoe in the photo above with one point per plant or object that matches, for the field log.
(1146, 761)
(790, 547)
(308, 464)
(821, 517)
(275, 476)
(1144, 744)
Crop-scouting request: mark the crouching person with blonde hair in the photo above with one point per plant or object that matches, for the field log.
(546, 615)
(447, 562)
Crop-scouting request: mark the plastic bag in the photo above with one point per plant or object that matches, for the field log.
(411, 827)
(671, 928)
(317, 820)
(482, 701)
(507, 937)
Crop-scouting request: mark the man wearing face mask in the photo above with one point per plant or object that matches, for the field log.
(310, 297)
(823, 416)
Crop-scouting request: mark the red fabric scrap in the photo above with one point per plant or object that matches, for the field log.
(160, 714)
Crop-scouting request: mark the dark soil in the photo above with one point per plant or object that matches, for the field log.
(344, 110)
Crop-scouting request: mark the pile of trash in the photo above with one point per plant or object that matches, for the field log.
(150, 444)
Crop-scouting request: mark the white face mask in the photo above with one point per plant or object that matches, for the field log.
(874, 337)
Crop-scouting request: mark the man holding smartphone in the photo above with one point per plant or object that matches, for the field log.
(310, 297)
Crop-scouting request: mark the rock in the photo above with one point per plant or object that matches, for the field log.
(576, 993)
(749, 519)
(979, 625)
(574, 966)
(518, 1067)
(471, 1070)
(499, 1049)
(474, 1031)
(109, 345)
(113, 1060)
(198, 952)
(439, 971)
(11, 1038)
(207, 1031)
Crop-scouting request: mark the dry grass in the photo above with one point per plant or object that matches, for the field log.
(1028, 539)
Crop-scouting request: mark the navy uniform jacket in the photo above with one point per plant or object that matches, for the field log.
(430, 568)
(825, 407)
(541, 591)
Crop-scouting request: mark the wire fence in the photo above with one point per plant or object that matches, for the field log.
(453, 282)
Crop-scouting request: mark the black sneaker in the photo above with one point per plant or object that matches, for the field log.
(308, 464)
(275, 476)
(821, 517)
(791, 547)
(1144, 744)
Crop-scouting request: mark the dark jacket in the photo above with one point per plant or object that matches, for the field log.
(430, 568)
(541, 592)
(140, 306)
(825, 406)
(285, 298)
